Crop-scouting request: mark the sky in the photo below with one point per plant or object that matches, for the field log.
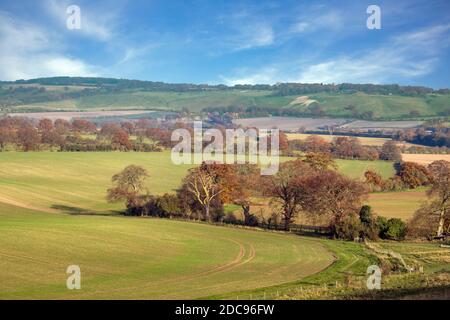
(229, 42)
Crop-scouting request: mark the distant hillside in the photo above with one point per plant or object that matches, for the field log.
(362, 101)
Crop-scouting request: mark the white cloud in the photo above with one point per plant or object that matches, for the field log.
(29, 52)
(318, 19)
(403, 57)
(406, 56)
(246, 31)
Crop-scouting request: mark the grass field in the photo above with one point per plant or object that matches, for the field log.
(53, 214)
(130, 258)
(77, 182)
(42, 180)
(367, 141)
(400, 204)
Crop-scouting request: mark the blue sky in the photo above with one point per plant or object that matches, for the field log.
(229, 41)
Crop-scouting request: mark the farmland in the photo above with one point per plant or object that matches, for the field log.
(425, 159)
(399, 204)
(366, 141)
(334, 105)
(122, 258)
(53, 214)
(46, 180)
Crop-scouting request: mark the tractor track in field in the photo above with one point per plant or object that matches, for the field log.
(19, 204)
(235, 263)
(31, 259)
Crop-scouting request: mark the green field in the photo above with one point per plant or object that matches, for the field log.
(132, 258)
(53, 214)
(334, 105)
(77, 182)
(401, 204)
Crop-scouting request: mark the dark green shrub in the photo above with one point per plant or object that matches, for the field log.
(349, 228)
(368, 223)
(366, 216)
(394, 229)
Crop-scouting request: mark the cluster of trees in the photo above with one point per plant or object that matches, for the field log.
(415, 149)
(437, 134)
(347, 148)
(310, 187)
(366, 224)
(287, 89)
(82, 135)
(409, 175)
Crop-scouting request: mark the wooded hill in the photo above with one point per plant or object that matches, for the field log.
(362, 101)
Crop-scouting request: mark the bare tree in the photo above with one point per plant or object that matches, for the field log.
(203, 187)
(440, 188)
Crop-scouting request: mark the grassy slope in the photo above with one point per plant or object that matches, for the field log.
(122, 257)
(132, 258)
(382, 106)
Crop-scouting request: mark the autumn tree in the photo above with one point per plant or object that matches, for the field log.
(45, 125)
(390, 151)
(120, 140)
(320, 161)
(28, 137)
(52, 138)
(109, 129)
(287, 188)
(316, 144)
(62, 126)
(128, 126)
(283, 142)
(373, 180)
(83, 126)
(347, 147)
(248, 186)
(332, 194)
(128, 186)
(7, 135)
(414, 175)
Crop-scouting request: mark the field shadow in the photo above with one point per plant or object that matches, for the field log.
(76, 211)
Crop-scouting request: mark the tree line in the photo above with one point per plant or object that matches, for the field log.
(25, 134)
(310, 187)
(344, 147)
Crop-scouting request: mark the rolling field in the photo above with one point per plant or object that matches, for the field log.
(77, 182)
(53, 214)
(132, 258)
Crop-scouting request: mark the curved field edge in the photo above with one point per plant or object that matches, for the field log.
(346, 278)
(350, 259)
(134, 258)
